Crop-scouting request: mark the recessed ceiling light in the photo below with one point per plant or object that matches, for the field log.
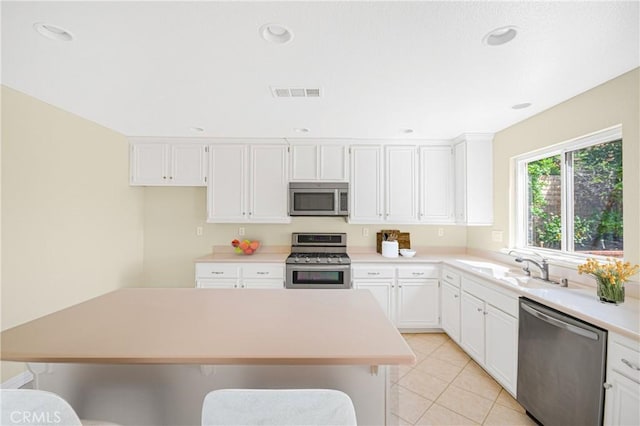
(522, 105)
(197, 129)
(276, 33)
(52, 31)
(407, 131)
(500, 36)
(301, 130)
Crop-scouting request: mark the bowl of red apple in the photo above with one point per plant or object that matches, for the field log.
(245, 246)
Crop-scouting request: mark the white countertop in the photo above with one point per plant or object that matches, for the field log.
(578, 301)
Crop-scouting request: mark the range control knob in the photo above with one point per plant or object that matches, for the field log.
(339, 260)
(296, 260)
(329, 260)
(306, 259)
(318, 259)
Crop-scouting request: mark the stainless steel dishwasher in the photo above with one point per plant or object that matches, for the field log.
(561, 367)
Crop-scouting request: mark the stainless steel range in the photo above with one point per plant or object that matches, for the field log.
(318, 260)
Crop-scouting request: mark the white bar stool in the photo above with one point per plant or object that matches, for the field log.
(27, 407)
(278, 407)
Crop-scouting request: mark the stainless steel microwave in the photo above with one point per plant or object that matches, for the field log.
(318, 199)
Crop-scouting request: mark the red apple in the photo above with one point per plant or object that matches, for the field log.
(254, 245)
(235, 243)
(248, 251)
(244, 245)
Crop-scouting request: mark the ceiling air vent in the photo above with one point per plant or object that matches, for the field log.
(295, 92)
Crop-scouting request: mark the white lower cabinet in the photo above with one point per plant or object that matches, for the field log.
(622, 397)
(489, 329)
(408, 296)
(450, 303)
(501, 347)
(472, 326)
(239, 275)
(383, 291)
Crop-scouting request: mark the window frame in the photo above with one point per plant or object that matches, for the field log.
(521, 206)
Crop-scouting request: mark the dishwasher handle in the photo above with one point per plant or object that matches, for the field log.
(560, 324)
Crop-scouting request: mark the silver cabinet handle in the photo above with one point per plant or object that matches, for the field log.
(418, 273)
(607, 385)
(479, 309)
(449, 277)
(217, 272)
(164, 177)
(170, 177)
(262, 273)
(485, 313)
(630, 364)
(373, 273)
(242, 285)
(455, 296)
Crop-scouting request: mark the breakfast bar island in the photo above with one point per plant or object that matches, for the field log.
(149, 356)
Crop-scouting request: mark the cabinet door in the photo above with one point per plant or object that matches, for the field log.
(226, 192)
(501, 339)
(401, 184)
(418, 304)
(266, 283)
(622, 400)
(460, 160)
(382, 291)
(149, 164)
(269, 184)
(436, 184)
(304, 162)
(472, 326)
(451, 311)
(333, 163)
(188, 165)
(366, 184)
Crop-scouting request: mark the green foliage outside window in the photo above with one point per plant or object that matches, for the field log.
(597, 187)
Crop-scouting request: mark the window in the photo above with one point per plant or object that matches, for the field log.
(570, 197)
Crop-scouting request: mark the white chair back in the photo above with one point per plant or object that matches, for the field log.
(281, 407)
(26, 407)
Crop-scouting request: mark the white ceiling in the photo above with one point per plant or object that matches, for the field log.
(160, 68)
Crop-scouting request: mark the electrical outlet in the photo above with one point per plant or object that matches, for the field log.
(199, 231)
(440, 232)
(496, 236)
(365, 232)
(241, 231)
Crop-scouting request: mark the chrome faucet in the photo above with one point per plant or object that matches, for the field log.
(543, 266)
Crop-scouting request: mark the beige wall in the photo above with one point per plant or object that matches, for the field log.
(171, 244)
(71, 225)
(612, 103)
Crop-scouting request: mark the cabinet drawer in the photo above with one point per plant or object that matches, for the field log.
(624, 359)
(373, 272)
(451, 277)
(263, 271)
(216, 270)
(418, 272)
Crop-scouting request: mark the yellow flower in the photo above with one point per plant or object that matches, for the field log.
(612, 271)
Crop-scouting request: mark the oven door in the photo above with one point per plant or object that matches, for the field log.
(318, 276)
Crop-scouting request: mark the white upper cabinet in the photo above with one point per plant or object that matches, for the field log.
(319, 162)
(168, 164)
(474, 179)
(268, 188)
(436, 184)
(366, 184)
(401, 200)
(248, 183)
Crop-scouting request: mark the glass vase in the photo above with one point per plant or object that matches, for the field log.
(610, 293)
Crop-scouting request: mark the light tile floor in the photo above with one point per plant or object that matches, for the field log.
(446, 387)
